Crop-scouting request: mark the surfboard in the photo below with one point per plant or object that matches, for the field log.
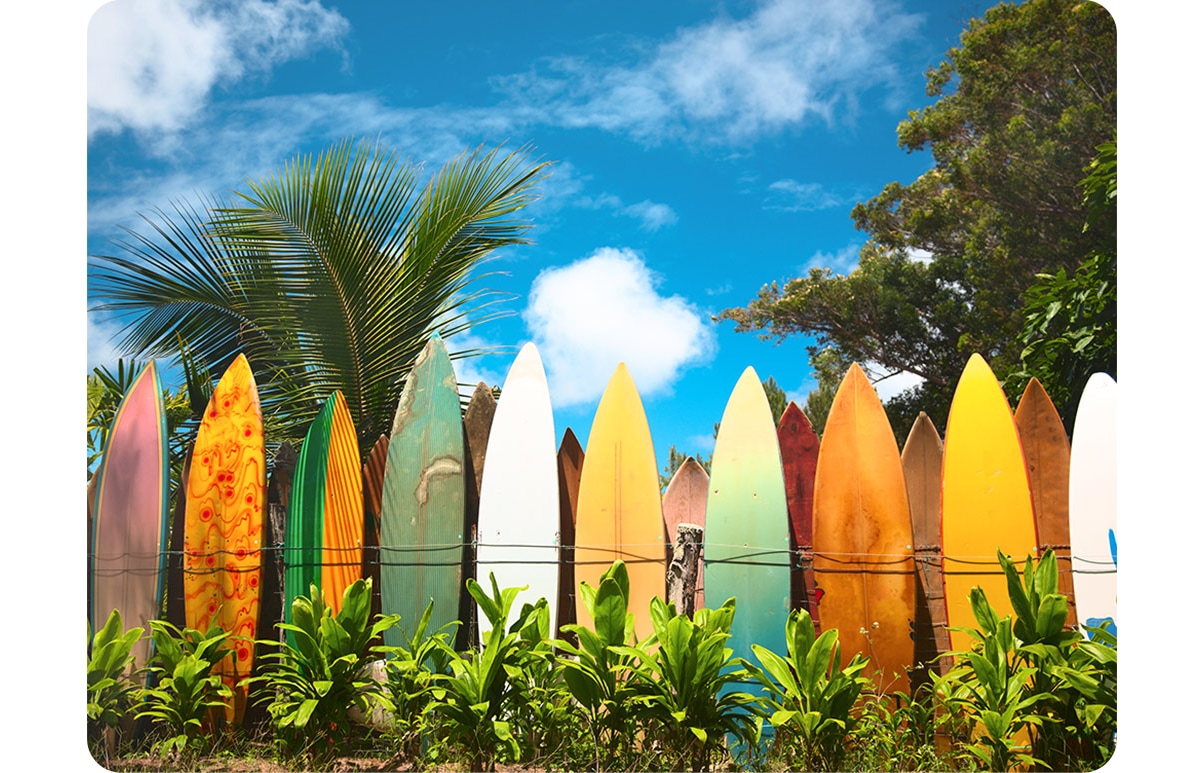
(374, 482)
(343, 515)
(986, 503)
(1047, 458)
(303, 527)
(864, 559)
(478, 421)
(619, 504)
(569, 459)
(746, 545)
(921, 459)
(519, 523)
(223, 523)
(800, 452)
(129, 523)
(422, 518)
(685, 502)
(1093, 501)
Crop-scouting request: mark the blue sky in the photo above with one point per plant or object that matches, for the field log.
(700, 149)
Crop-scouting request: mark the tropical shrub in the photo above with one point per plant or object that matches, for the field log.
(410, 684)
(810, 695)
(310, 685)
(686, 700)
(598, 670)
(1038, 694)
(111, 684)
(185, 691)
(472, 707)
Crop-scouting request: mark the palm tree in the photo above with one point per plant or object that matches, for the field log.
(330, 274)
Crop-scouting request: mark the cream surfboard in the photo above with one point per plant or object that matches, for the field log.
(519, 521)
(1093, 502)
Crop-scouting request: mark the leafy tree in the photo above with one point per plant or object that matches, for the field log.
(1024, 102)
(1070, 317)
(329, 274)
(830, 365)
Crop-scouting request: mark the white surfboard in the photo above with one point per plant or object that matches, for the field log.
(519, 522)
(1093, 501)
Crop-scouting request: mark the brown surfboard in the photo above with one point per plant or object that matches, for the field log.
(374, 486)
(1047, 457)
(800, 453)
(478, 420)
(569, 459)
(922, 471)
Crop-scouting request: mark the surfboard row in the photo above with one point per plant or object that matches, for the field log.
(884, 548)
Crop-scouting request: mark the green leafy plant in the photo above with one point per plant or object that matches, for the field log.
(897, 731)
(473, 702)
(186, 691)
(810, 695)
(598, 671)
(311, 684)
(411, 685)
(111, 685)
(683, 701)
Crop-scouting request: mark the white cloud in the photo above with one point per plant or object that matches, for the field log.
(153, 63)
(794, 196)
(729, 79)
(490, 366)
(893, 385)
(591, 315)
(841, 261)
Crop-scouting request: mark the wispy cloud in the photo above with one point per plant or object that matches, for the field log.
(589, 316)
(730, 79)
(889, 386)
(794, 196)
(153, 63)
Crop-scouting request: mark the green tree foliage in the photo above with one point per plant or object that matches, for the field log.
(1024, 102)
(829, 364)
(1070, 317)
(329, 274)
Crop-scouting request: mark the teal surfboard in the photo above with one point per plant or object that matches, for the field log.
(422, 509)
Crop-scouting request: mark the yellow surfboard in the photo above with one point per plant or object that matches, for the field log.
(986, 504)
(864, 557)
(223, 523)
(619, 502)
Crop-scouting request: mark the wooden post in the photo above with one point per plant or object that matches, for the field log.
(683, 569)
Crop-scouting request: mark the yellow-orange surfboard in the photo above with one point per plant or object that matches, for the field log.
(986, 504)
(864, 558)
(619, 502)
(223, 523)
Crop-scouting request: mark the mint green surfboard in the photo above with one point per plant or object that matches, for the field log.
(746, 545)
(422, 508)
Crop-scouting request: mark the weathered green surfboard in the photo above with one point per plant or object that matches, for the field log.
(422, 508)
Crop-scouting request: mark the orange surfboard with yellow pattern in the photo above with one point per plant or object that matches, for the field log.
(223, 523)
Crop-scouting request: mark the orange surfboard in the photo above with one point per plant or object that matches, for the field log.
(864, 560)
(619, 504)
(1047, 456)
(223, 523)
(921, 459)
(986, 504)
